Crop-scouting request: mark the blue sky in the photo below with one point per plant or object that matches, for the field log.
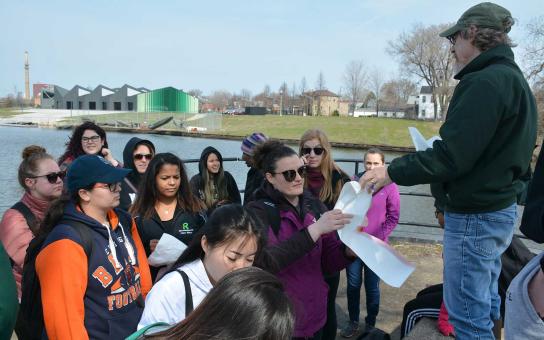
(212, 45)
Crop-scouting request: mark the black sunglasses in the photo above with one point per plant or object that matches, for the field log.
(290, 175)
(140, 156)
(52, 177)
(317, 150)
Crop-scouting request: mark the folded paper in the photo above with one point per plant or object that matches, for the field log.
(380, 257)
(419, 141)
(167, 251)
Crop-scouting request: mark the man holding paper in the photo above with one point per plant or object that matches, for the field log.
(487, 142)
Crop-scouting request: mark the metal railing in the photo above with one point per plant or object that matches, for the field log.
(356, 167)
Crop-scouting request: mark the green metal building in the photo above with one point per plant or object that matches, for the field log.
(167, 99)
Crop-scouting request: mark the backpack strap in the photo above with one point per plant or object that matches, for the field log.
(188, 293)
(84, 234)
(28, 215)
(272, 214)
(131, 186)
(142, 332)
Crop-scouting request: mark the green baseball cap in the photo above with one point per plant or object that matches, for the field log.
(486, 14)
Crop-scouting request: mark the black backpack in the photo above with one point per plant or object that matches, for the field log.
(29, 218)
(374, 334)
(273, 214)
(30, 319)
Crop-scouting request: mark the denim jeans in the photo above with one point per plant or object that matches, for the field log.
(372, 289)
(473, 244)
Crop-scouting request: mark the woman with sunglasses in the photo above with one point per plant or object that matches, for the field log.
(87, 139)
(166, 204)
(41, 179)
(92, 268)
(213, 185)
(325, 180)
(136, 156)
(303, 248)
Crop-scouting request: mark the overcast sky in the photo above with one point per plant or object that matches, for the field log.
(213, 45)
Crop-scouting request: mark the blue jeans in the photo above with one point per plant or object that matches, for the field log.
(473, 244)
(372, 289)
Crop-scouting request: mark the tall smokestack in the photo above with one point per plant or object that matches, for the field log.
(27, 78)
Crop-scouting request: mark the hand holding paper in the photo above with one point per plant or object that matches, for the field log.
(381, 258)
(167, 251)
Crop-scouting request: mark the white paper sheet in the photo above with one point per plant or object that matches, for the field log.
(419, 141)
(167, 251)
(380, 257)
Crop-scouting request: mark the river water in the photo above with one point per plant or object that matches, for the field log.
(14, 139)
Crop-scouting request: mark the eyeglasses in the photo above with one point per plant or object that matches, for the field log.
(317, 150)
(93, 139)
(452, 38)
(291, 175)
(140, 156)
(111, 186)
(52, 177)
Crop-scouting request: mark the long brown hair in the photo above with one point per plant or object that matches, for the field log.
(247, 303)
(148, 194)
(327, 192)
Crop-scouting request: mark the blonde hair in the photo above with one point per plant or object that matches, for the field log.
(327, 193)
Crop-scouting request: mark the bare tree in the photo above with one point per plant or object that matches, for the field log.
(221, 99)
(376, 84)
(397, 91)
(303, 86)
(195, 93)
(266, 90)
(355, 77)
(320, 82)
(534, 52)
(424, 54)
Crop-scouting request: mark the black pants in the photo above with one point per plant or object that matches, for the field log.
(329, 330)
(426, 304)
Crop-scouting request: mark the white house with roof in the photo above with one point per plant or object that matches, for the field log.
(425, 103)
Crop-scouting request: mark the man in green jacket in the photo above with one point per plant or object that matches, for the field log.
(487, 142)
(8, 297)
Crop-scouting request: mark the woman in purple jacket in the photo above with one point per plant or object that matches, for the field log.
(302, 247)
(382, 216)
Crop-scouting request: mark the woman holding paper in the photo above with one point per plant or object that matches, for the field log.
(166, 204)
(324, 179)
(303, 248)
(382, 216)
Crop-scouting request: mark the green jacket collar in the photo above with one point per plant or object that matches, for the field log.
(499, 54)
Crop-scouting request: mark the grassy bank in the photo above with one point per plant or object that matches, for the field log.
(8, 112)
(372, 130)
(368, 130)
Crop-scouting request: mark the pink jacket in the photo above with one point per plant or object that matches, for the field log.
(15, 234)
(383, 214)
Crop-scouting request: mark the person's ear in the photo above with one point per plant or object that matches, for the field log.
(29, 182)
(204, 244)
(270, 178)
(84, 195)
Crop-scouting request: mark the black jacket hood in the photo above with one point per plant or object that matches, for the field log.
(128, 160)
(204, 158)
